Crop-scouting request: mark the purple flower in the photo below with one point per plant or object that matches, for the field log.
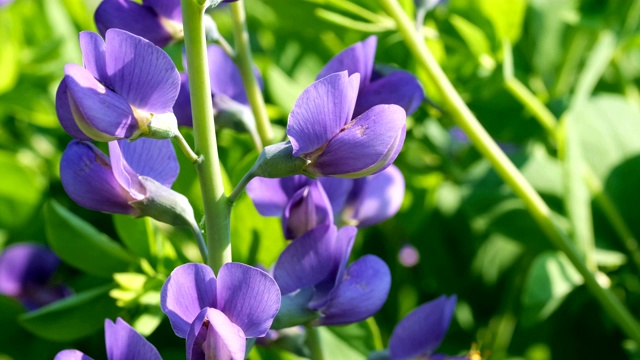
(125, 90)
(25, 274)
(396, 87)
(123, 343)
(316, 264)
(420, 333)
(216, 316)
(408, 256)
(322, 130)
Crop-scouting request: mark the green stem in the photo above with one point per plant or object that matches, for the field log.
(237, 191)
(245, 63)
(216, 210)
(313, 342)
(186, 149)
(505, 168)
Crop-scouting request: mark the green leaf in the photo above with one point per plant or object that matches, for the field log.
(72, 318)
(475, 39)
(334, 346)
(82, 246)
(137, 234)
(10, 33)
(495, 256)
(506, 16)
(21, 188)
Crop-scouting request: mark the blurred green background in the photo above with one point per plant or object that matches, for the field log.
(518, 297)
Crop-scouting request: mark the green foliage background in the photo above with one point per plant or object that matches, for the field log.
(518, 297)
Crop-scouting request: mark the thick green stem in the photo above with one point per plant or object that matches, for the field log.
(245, 63)
(313, 342)
(216, 210)
(505, 168)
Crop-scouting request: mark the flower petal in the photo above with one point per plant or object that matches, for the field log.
(170, 9)
(225, 76)
(364, 289)
(337, 190)
(93, 55)
(124, 342)
(365, 145)
(268, 196)
(88, 179)
(127, 178)
(71, 355)
(65, 116)
(132, 17)
(423, 329)
(307, 260)
(213, 336)
(307, 208)
(141, 72)
(321, 111)
(24, 266)
(399, 87)
(189, 289)
(99, 112)
(153, 158)
(377, 197)
(249, 297)
(357, 58)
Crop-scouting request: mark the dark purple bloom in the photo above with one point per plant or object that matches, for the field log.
(25, 274)
(322, 130)
(125, 90)
(123, 343)
(340, 294)
(216, 316)
(420, 333)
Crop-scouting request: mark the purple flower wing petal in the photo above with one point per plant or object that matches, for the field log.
(380, 197)
(24, 266)
(307, 260)
(308, 208)
(132, 17)
(225, 76)
(141, 72)
(123, 342)
(96, 107)
(93, 55)
(423, 329)
(365, 145)
(321, 111)
(65, 116)
(249, 297)
(71, 355)
(170, 9)
(189, 289)
(213, 336)
(363, 291)
(127, 178)
(268, 196)
(182, 106)
(153, 158)
(337, 190)
(357, 58)
(88, 179)
(399, 87)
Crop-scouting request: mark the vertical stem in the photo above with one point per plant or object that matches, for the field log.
(313, 342)
(505, 168)
(245, 63)
(216, 210)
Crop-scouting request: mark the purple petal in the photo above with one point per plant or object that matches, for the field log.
(99, 112)
(141, 72)
(93, 55)
(321, 111)
(376, 197)
(88, 179)
(65, 116)
(399, 87)
(225, 76)
(189, 289)
(153, 158)
(363, 291)
(124, 343)
(170, 9)
(307, 208)
(337, 189)
(132, 17)
(268, 196)
(24, 266)
(357, 58)
(423, 329)
(71, 355)
(182, 107)
(249, 297)
(127, 178)
(213, 336)
(365, 145)
(306, 261)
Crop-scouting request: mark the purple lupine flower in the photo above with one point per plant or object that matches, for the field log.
(216, 316)
(316, 264)
(25, 274)
(396, 87)
(122, 342)
(125, 90)
(420, 333)
(322, 130)
(5, 2)
(408, 256)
